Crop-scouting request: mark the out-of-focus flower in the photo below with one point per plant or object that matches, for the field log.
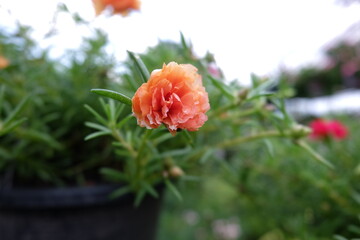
(349, 68)
(3, 62)
(214, 70)
(227, 229)
(328, 129)
(122, 7)
(173, 96)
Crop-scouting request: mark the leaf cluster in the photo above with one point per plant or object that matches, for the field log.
(49, 148)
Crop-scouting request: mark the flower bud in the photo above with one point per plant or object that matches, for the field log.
(243, 94)
(176, 172)
(299, 131)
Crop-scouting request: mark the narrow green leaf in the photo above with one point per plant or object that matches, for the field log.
(119, 192)
(38, 136)
(97, 126)
(280, 104)
(103, 105)
(356, 196)
(96, 134)
(226, 165)
(183, 42)
(176, 152)
(173, 189)
(16, 111)
(150, 189)
(188, 137)
(313, 153)
(106, 108)
(62, 7)
(221, 87)
(130, 82)
(139, 197)
(112, 110)
(262, 86)
(162, 138)
(206, 155)
(114, 95)
(118, 111)
(113, 174)
(129, 136)
(259, 95)
(124, 120)
(152, 148)
(270, 148)
(10, 126)
(96, 114)
(123, 153)
(153, 166)
(338, 237)
(140, 66)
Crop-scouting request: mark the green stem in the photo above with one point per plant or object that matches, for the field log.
(138, 159)
(224, 109)
(117, 135)
(239, 140)
(247, 112)
(317, 156)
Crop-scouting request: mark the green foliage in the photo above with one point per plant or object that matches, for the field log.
(289, 192)
(238, 115)
(49, 147)
(273, 190)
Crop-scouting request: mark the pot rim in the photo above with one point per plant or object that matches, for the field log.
(64, 197)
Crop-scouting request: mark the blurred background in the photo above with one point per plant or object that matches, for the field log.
(244, 36)
(272, 191)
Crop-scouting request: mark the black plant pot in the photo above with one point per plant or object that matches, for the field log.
(82, 213)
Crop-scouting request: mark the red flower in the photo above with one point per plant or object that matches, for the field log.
(328, 129)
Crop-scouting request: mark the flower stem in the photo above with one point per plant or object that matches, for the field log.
(117, 135)
(223, 109)
(138, 160)
(249, 138)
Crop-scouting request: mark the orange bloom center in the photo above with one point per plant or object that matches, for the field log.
(173, 96)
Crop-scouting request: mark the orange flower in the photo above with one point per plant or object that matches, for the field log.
(119, 6)
(3, 62)
(175, 96)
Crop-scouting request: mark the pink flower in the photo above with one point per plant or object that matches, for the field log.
(174, 96)
(349, 68)
(214, 70)
(328, 129)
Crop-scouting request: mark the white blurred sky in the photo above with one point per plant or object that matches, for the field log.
(253, 36)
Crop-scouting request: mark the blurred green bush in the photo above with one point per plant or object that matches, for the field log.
(274, 191)
(49, 147)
